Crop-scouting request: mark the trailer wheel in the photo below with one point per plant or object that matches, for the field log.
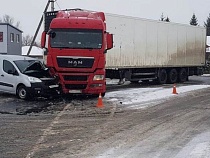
(162, 76)
(183, 75)
(173, 75)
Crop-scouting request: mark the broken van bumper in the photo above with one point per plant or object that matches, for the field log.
(40, 89)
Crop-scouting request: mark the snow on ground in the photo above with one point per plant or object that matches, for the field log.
(205, 75)
(197, 147)
(137, 98)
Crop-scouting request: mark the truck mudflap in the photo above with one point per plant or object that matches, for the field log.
(200, 71)
(196, 71)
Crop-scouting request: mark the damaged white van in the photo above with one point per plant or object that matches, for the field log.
(26, 77)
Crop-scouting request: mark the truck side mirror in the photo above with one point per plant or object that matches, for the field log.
(43, 40)
(109, 38)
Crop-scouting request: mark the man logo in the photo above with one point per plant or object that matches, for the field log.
(74, 62)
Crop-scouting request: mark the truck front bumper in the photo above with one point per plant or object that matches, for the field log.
(95, 88)
(82, 83)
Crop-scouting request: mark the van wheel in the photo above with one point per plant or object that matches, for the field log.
(22, 92)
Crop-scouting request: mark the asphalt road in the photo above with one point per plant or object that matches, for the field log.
(74, 127)
(177, 128)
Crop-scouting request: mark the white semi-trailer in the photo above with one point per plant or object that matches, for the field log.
(154, 50)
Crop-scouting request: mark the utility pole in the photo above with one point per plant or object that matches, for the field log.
(53, 5)
(40, 23)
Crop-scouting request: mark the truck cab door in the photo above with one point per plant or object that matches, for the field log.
(8, 77)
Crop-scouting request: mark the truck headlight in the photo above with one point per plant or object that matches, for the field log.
(98, 77)
(34, 79)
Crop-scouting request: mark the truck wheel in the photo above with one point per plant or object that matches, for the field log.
(173, 75)
(183, 75)
(162, 76)
(22, 92)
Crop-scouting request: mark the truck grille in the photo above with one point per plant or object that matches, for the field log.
(75, 62)
(75, 86)
(75, 78)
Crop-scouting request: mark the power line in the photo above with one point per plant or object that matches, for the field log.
(58, 4)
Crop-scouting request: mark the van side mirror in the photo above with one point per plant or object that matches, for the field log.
(43, 39)
(109, 38)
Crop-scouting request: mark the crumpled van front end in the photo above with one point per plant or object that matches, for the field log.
(26, 77)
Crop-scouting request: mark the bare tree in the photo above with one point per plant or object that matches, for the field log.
(17, 24)
(26, 41)
(37, 44)
(10, 20)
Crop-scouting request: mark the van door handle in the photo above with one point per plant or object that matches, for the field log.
(2, 75)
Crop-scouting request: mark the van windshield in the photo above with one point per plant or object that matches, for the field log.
(23, 65)
(76, 38)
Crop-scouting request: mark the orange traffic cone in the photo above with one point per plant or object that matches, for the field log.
(100, 102)
(174, 89)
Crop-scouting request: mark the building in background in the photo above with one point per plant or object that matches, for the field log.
(36, 52)
(10, 39)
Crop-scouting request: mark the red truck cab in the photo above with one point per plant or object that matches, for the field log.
(76, 42)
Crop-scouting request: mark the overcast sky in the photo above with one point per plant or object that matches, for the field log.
(29, 12)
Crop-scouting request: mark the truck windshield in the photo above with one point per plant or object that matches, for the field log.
(76, 38)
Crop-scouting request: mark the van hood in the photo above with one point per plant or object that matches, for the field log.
(30, 65)
(36, 69)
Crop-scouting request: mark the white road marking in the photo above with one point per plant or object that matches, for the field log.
(46, 132)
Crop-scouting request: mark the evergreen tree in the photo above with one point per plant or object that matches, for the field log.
(194, 20)
(207, 25)
(162, 17)
(167, 19)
